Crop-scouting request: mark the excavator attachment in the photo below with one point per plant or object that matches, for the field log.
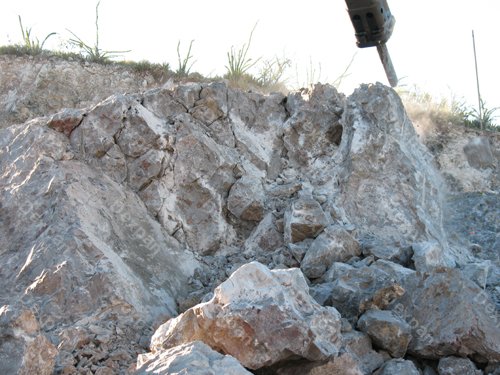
(373, 25)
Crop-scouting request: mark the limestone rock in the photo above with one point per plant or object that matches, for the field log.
(398, 367)
(387, 331)
(360, 346)
(24, 349)
(462, 322)
(260, 317)
(265, 237)
(456, 365)
(429, 255)
(389, 185)
(75, 241)
(304, 219)
(246, 199)
(192, 358)
(344, 364)
(334, 244)
(479, 153)
(382, 284)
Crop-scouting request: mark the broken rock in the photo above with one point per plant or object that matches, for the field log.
(194, 358)
(388, 331)
(304, 219)
(456, 365)
(334, 244)
(260, 317)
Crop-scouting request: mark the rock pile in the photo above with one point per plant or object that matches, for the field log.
(306, 233)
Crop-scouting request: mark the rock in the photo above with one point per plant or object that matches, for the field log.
(336, 270)
(265, 237)
(246, 199)
(462, 322)
(344, 364)
(398, 367)
(478, 272)
(381, 286)
(191, 358)
(429, 255)
(334, 244)
(145, 168)
(75, 241)
(313, 131)
(387, 331)
(397, 253)
(23, 348)
(389, 184)
(260, 317)
(455, 365)
(360, 346)
(479, 153)
(304, 219)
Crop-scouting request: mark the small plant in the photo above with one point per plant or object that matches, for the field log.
(483, 119)
(30, 44)
(94, 53)
(184, 65)
(272, 71)
(345, 73)
(238, 61)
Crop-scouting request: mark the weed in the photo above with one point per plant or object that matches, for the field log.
(31, 45)
(272, 71)
(184, 66)
(238, 61)
(94, 53)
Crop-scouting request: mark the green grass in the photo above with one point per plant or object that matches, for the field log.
(239, 62)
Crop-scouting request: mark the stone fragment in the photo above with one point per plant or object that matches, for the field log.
(142, 170)
(246, 199)
(23, 347)
(462, 321)
(260, 317)
(429, 255)
(194, 358)
(334, 244)
(479, 153)
(66, 120)
(398, 367)
(387, 331)
(344, 364)
(304, 219)
(360, 346)
(265, 237)
(456, 365)
(478, 272)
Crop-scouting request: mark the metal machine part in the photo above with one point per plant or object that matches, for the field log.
(373, 25)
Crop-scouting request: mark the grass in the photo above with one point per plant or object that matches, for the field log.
(425, 108)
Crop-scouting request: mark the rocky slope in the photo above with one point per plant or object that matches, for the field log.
(308, 233)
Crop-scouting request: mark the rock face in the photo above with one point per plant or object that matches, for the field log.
(127, 209)
(260, 317)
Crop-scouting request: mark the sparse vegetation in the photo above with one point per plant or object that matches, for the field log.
(272, 71)
(184, 63)
(93, 53)
(454, 111)
(239, 63)
(30, 44)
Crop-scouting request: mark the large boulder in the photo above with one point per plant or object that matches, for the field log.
(389, 186)
(462, 321)
(260, 317)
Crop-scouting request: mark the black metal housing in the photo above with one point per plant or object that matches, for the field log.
(372, 20)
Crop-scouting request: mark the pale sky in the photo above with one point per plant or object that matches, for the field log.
(431, 46)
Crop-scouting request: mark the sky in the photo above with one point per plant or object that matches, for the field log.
(431, 46)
